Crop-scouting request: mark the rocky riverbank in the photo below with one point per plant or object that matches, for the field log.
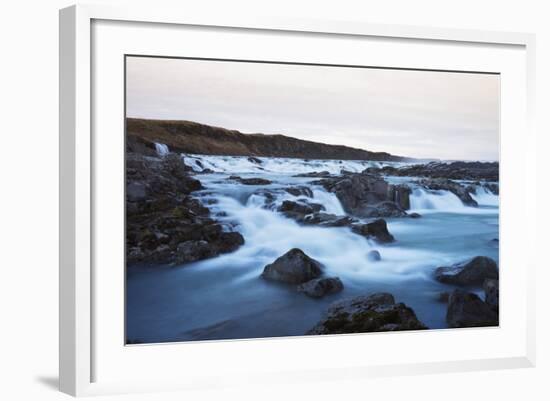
(165, 223)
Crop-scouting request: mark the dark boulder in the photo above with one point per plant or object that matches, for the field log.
(490, 287)
(366, 195)
(472, 272)
(319, 287)
(468, 310)
(326, 220)
(300, 191)
(300, 208)
(400, 194)
(357, 191)
(383, 209)
(213, 242)
(250, 181)
(228, 242)
(377, 230)
(191, 251)
(377, 312)
(294, 267)
(254, 181)
(414, 215)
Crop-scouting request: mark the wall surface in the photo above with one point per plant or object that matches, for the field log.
(29, 169)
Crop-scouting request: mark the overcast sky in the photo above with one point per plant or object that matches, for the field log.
(409, 113)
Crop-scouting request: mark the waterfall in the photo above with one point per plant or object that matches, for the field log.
(432, 201)
(484, 197)
(429, 200)
(162, 149)
(328, 200)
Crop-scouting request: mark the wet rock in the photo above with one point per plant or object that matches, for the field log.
(218, 242)
(300, 207)
(320, 287)
(377, 230)
(191, 251)
(250, 181)
(383, 209)
(400, 195)
(357, 191)
(326, 220)
(472, 272)
(314, 174)
(365, 195)
(377, 312)
(228, 242)
(300, 191)
(490, 287)
(374, 256)
(294, 267)
(414, 215)
(468, 310)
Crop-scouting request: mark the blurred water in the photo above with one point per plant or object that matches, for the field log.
(225, 297)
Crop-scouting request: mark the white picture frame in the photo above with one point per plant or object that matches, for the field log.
(79, 344)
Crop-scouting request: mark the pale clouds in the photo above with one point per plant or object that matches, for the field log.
(411, 113)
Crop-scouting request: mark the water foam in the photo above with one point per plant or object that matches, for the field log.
(276, 165)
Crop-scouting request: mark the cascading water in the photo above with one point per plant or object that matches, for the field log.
(224, 297)
(243, 164)
(162, 149)
(484, 197)
(442, 201)
(430, 200)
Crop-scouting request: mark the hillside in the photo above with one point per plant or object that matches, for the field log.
(192, 137)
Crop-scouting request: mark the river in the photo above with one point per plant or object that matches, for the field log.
(225, 298)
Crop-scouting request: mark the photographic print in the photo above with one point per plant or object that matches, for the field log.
(269, 199)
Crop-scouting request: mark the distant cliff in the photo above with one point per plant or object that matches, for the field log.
(192, 137)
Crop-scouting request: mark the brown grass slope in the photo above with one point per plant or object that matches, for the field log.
(192, 137)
